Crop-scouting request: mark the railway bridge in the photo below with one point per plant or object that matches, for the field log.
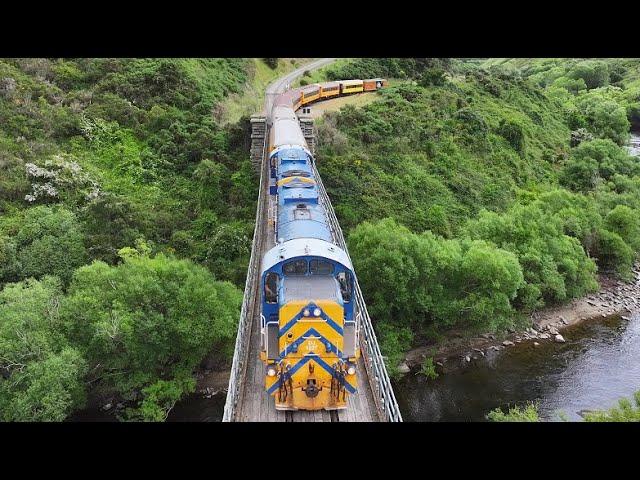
(247, 400)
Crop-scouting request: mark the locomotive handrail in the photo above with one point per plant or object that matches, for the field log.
(241, 351)
(379, 380)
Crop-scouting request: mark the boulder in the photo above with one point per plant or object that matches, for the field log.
(507, 343)
(403, 368)
(536, 344)
(559, 338)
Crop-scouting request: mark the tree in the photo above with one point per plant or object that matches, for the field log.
(593, 162)
(594, 73)
(41, 374)
(614, 254)
(149, 319)
(271, 62)
(625, 222)
(424, 281)
(49, 241)
(606, 117)
(555, 265)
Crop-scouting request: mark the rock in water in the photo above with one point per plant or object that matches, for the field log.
(536, 344)
(403, 368)
(559, 338)
(507, 343)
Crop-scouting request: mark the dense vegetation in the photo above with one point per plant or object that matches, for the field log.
(126, 208)
(476, 192)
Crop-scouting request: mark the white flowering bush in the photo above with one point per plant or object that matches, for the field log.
(61, 177)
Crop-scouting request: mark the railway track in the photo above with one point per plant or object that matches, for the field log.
(290, 416)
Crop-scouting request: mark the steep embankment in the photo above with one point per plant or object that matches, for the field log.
(499, 195)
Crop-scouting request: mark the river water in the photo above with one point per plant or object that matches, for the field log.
(634, 143)
(597, 366)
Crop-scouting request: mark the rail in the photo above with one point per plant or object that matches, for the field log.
(379, 380)
(241, 352)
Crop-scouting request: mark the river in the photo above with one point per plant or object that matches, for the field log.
(634, 143)
(597, 366)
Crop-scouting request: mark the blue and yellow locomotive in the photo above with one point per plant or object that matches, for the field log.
(308, 320)
(309, 337)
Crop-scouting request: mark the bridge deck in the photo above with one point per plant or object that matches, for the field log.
(247, 399)
(255, 404)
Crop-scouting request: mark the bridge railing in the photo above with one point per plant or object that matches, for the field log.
(241, 352)
(383, 394)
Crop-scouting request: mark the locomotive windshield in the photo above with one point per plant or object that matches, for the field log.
(320, 267)
(295, 267)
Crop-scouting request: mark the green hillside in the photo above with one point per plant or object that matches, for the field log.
(474, 192)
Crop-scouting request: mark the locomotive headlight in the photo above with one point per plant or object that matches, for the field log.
(317, 312)
(351, 369)
(271, 371)
(306, 312)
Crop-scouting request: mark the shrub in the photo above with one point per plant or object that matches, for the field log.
(428, 369)
(527, 413)
(48, 241)
(41, 375)
(271, 62)
(624, 412)
(614, 254)
(149, 319)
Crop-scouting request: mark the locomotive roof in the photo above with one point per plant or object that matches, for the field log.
(301, 247)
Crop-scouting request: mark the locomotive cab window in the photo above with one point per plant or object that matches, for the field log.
(271, 287)
(346, 286)
(320, 267)
(295, 267)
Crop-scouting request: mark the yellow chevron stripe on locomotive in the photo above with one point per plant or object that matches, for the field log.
(311, 375)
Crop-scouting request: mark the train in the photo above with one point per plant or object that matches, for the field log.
(308, 318)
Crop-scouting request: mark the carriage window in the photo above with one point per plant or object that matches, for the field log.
(346, 285)
(271, 287)
(296, 267)
(320, 267)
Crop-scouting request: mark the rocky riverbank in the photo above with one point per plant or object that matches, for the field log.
(613, 298)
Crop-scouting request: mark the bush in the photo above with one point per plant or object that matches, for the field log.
(555, 265)
(428, 369)
(624, 412)
(421, 281)
(594, 162)
(513, 133)
(41, 375)
(149, 319)
(527, 413)
(625, 222)
(594, 73)
(48, 241)
(271, 62)
(614, 254)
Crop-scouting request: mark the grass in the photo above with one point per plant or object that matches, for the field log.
(251, 99)
(320, 75)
